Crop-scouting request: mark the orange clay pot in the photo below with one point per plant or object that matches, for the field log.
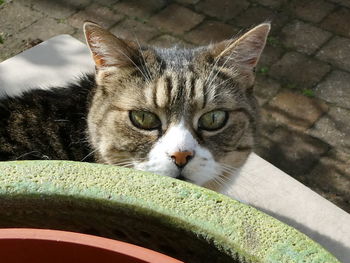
(25, 245)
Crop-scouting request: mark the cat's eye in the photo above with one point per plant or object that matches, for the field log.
(145, 120)
(213, 120)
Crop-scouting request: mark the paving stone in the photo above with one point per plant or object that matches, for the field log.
(177, 19)
(293, 152)
(15, 47)
(257, 14)
(14, 17)
(334, 128)
(304, 37)
(187, 1)
(225, 10)
(168, 41)
(267, 125)
(99, 14)
(133, 30)
(299, 70)
(296, 110)
(336, 52)
(279, 19)
(265, 88)
(211, 31)
(138, 8)
(338, 22)
(45, 28)
(44, 7)
(269, 56)
(332, 175)
(254, 16)
(342, 2)
(39, 31)
(59, 9)
(108, 3)
(272, 3)
(335, 89)
(313, 11)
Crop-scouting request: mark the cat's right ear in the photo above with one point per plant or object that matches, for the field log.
(242, 53)
(107, 49)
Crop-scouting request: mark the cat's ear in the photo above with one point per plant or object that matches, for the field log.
(243, 52)
(109, 50)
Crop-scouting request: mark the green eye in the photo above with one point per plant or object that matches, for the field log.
(144, 120)
(213, 120)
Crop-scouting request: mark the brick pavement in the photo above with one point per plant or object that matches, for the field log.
(302, 79)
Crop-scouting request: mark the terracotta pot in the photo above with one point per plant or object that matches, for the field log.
(20, 245)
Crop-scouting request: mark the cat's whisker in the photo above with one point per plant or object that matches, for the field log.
(228, 172)
(218, 183)
(25, 154)
(228, 177)
(138, 68)
(215, 87)
(130, 161)
(214, 66)
(221, 83)
(122, 163)
(212, 70)
(222, 66)
(127, 165)
(84, 140)
(143, 58)
(227, 165)
(229, 169)
(88, 155)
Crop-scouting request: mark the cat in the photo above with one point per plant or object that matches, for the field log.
(189, 114)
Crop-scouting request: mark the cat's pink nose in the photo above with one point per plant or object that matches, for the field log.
(181, 158)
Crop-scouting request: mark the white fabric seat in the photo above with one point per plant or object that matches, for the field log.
(62, 59)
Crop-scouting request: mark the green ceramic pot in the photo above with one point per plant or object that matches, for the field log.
(182, 220)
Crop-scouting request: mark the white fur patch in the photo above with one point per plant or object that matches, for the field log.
(199, 170)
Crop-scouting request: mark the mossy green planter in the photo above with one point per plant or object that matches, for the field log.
(177, 218)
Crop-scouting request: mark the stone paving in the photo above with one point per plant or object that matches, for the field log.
(303, 78)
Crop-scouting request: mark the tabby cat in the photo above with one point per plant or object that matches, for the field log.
(185, 113)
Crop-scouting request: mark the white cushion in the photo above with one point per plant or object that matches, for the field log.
(55, 62)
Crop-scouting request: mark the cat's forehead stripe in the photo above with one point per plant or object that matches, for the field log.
(173, 88)
(161, 94)
(198, 92)
(154, 94)
(190, 86)
(149, 95)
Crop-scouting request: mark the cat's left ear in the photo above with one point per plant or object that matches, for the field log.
(109, 50)
(244, 52)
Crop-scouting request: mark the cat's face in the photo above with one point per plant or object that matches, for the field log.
(186, 114)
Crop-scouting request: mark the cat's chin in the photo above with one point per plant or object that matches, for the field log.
(183, 178)
(188, 174)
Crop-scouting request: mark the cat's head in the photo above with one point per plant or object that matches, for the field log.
(183, 113)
